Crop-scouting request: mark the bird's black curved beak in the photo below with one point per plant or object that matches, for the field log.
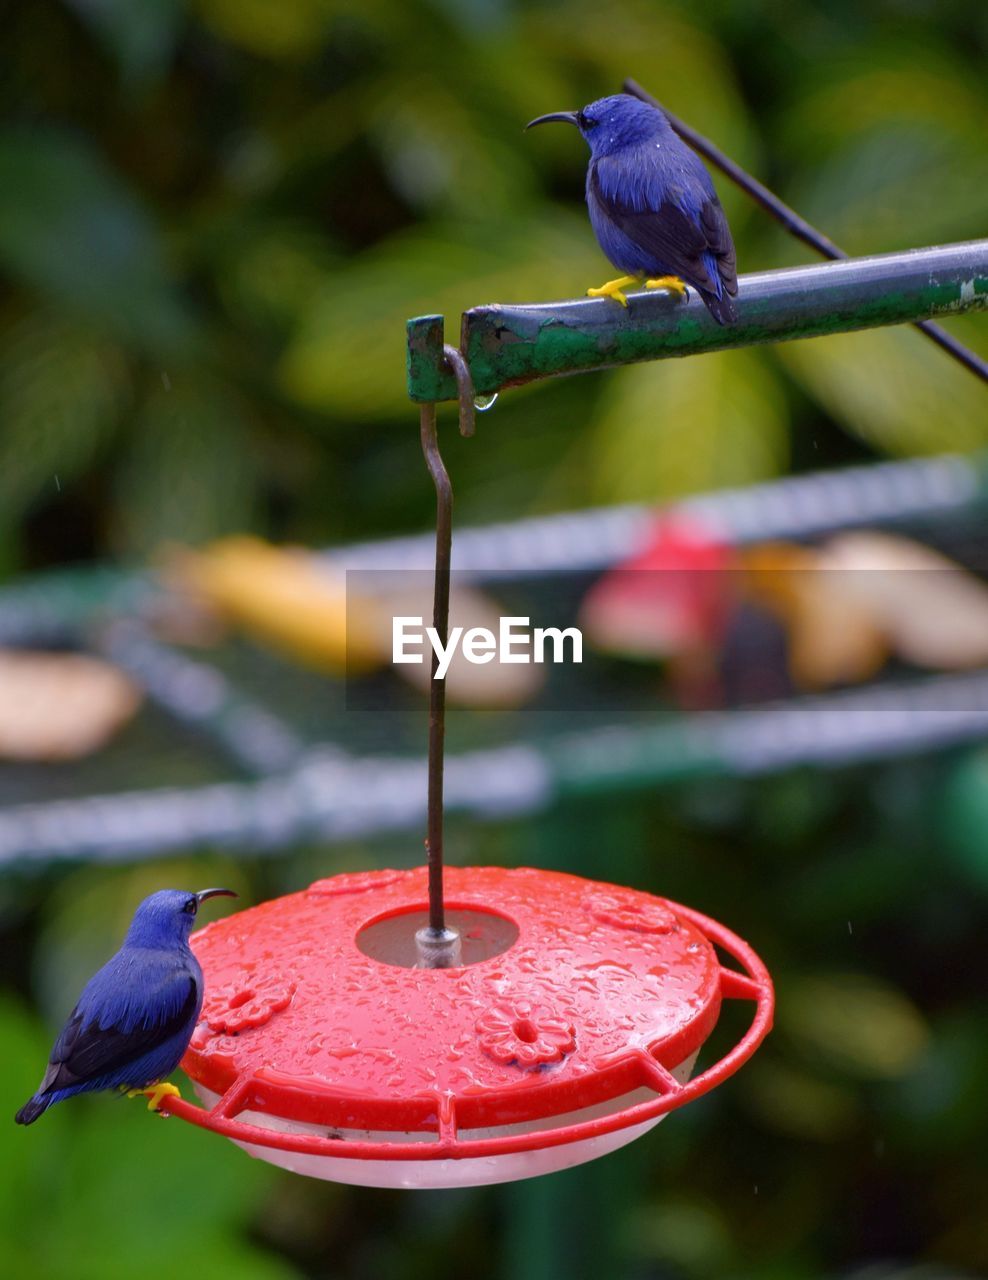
(567, 117)
(203, 894)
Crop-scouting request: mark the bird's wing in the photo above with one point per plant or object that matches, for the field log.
(91, 1046)
(651, 215)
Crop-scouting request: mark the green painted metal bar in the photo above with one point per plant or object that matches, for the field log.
(510, 345)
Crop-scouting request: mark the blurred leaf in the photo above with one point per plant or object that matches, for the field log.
(477, 15)
(191, 474)
(141, 36)
(792, 1101)
(70, 228)
(678, 426)
(897, 152)
(288, 29)
(898, 187)
(855, 1022)
(61, 389)
(894, 389)
(963, 817)
(908, 1271)
(269, 273)
(441, 155)
(349, 354)
(688, 1233)
(943, 1095)
(905, 83)
(98, 1183)
(687, 70)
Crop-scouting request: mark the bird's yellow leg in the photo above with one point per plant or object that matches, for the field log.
(672, 283)
(613, 289)
(155, 1093)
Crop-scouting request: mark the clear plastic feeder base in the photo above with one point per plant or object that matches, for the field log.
(423, 1175)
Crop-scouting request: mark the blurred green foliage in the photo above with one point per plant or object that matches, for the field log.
(219, 214)
(216, 217)
(73, 1202)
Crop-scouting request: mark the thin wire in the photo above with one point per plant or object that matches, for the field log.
(794, 224)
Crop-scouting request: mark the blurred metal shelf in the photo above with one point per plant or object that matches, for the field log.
(331, 796)
(57, 606)
(798, 507)
(303, 788)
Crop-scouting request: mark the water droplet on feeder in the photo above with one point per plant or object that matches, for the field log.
(483, 403)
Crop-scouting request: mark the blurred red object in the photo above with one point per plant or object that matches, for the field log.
(674, 596)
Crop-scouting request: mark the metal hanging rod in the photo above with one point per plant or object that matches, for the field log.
(439, 946)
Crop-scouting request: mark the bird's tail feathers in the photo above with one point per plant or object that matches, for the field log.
(722, 309)
(33, 1108)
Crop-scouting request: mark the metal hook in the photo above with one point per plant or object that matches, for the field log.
(439, 946)
(461, 370)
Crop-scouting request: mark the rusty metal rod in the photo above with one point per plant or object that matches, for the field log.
(796, 225)
(441, 948)
(437, 688)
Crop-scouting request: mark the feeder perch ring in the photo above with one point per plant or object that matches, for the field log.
(567, 1031)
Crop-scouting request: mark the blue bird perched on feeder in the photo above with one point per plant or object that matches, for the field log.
(653, 206)
(135, 1016)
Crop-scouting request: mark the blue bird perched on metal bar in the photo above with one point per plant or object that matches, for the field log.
(653, 206)
(135, 1016)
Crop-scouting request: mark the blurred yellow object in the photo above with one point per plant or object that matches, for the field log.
(834, 636)
(285, 598)
(298, 605)
(60, 706)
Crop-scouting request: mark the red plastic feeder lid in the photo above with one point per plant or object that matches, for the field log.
(578, 1010)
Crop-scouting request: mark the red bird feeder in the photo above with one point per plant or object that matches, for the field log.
(392, 1030)
(570, 1026)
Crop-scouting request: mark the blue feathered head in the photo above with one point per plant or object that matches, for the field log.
(610, 124)
(167, 917)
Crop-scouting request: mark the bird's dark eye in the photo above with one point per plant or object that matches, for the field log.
(585, 121)
(191, 906)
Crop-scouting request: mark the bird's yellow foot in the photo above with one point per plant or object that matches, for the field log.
(155, 1093)
(613, 289)
(672, 283)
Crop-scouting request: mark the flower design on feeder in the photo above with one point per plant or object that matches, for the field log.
(525, 1036)
(238, 1006)
(632, 912)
